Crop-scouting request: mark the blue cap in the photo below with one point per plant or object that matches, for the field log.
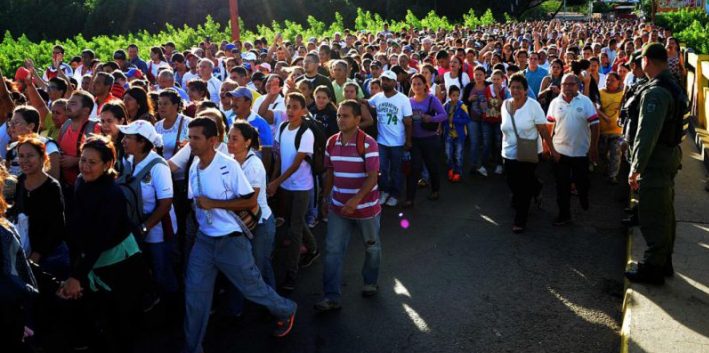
(230, 46)
(241, 92)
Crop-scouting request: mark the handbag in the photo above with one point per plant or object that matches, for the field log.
(429, 126)
(526, 148)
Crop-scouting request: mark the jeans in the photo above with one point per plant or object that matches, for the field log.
(390, 176)
(566, 170)
(233, 257)
(610, 147)
(475, 134)
(424, 150)
(161, 265)
(454, 154)
(262, 245)
(298, 232)
(492, 143)
(524, 185)
(339, 230)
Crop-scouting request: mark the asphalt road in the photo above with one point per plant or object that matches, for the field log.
(458, 280)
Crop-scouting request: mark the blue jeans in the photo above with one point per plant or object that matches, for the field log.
(233, 257)
(391, 178)
(454, 153)
(161, 265)
(262, 244)
(339, 230)
(475, 134)
(492, 143)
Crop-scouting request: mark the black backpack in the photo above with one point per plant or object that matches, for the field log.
(317, 160)
(675, 128)
(130, 185)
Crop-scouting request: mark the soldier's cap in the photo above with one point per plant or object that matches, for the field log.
(635, 56)
(655, 51)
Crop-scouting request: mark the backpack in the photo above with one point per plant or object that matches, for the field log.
(130, 185)
(317, 160)
(359, 142)
(87, 128)
(675, 128)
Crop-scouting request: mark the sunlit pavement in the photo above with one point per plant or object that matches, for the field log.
(458, 280)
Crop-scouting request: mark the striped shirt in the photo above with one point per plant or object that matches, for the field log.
(350, 172)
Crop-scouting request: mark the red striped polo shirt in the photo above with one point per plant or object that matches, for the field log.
(350, 172)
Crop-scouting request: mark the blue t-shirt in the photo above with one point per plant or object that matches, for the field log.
(265, 135)
(534, 78)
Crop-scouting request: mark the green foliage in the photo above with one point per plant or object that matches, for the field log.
(14, 50)
(690, 26)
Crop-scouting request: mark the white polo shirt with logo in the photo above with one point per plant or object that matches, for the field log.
(573, 120)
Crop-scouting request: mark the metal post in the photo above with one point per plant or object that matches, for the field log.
(234, 13)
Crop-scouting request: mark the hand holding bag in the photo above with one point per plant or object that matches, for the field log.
(526, 148)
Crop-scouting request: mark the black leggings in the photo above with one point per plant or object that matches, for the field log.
(524, 184)
(424, 150)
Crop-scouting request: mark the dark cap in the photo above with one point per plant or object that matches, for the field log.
(655, 51)
(635, 56)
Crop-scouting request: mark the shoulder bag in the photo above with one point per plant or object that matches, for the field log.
(526, 148)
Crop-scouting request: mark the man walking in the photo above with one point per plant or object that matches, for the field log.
(575, 136)
(220, 188)
(352, 161)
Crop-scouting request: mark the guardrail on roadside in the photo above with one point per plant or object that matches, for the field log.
(697, 84)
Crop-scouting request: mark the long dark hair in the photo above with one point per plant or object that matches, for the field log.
(248, 132)
(145, 105)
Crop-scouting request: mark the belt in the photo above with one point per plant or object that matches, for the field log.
(234, 234)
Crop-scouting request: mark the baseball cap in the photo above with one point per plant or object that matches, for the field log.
(635, 56)
(134, 73)
(248, 56)
(241, 92)
(230, 46)
(655, 51)
(142, 128)
(388, 74)
(266, 66)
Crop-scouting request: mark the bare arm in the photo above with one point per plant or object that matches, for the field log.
(54, 161)
(263, 110)
(236, 204)
(367, 119)
(36, 101)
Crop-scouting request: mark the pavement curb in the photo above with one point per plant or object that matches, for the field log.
(627, 300)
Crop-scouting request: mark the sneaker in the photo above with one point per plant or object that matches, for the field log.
(482, 171)
(324, 219)
(422, 183)
(450, 174)
(392, 202)
(327, 305)
(455, 178)
(284, 326)
(369, 290)
(307, 259)
(498, 169)
(383, 197)
(313, 223)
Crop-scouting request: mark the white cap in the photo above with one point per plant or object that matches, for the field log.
(142, 128)
(248, 56)
(388, 74)
(266, 66)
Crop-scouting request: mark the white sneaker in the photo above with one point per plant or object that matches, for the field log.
(498, 169)
(383, 197)
(482, 171)
(392, 202)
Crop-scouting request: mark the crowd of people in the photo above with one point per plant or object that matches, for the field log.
(130, 184)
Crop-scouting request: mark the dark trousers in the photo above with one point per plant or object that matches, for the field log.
(424, 150)
(523, 182)
(568, 170)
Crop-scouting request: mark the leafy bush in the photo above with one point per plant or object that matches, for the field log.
(14, 50)
(690, 26)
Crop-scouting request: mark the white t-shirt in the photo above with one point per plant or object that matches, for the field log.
(455, 81)
(278, 105)
(155, 68)
(572, 132)
(223, 179)
(182, 156)
(526, 118)
(390, 117)
(156, 186)
(169, 136)
(189, 76)
(256, 175)
(302, 179)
